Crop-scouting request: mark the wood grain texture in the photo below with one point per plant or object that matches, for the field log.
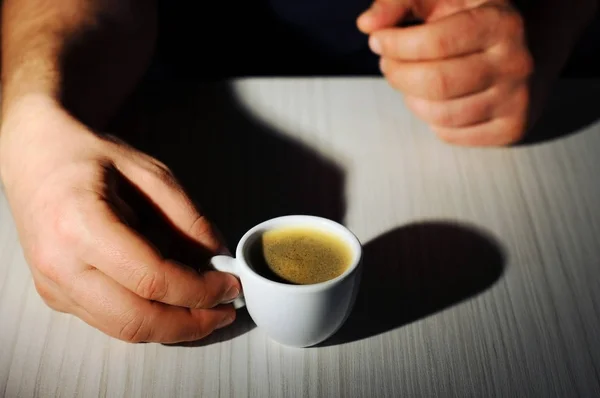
(482, 273)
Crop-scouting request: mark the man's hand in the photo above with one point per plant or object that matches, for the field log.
(85, 260)
(464, 71)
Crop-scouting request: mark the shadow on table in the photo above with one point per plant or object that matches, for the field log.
(238, 170)
(417, 270)
(572, 106)
(242, 172)
(242, 325)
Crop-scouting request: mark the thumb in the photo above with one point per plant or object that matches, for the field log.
(382, 14)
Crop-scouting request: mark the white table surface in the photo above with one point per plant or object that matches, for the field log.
(482, 269)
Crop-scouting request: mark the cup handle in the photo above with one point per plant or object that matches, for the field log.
(229, 264)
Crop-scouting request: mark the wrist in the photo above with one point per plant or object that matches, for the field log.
(21, 92)
(20, 112)
(33, 131)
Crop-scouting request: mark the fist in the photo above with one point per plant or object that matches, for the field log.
(464, 71)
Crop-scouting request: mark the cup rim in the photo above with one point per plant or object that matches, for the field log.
(348, 236)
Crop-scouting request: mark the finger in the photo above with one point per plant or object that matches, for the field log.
(440, 80)
(499, 101)
(125, 256)
(382, 14)
(463, 33)
(460, 112)
(158, 183)
(107, 306)
(497, 132)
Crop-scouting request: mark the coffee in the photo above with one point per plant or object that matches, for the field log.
(299, 255)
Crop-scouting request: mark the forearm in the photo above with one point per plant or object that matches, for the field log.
(86, 55)
(553, 29)
(33, 36)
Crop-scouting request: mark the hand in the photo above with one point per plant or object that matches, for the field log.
(60, 180)
(464, 71)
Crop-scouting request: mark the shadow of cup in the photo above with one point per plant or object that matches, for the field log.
(417, 270)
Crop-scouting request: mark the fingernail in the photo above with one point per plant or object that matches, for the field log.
(230, 295)
(228, 320)
(375, 45)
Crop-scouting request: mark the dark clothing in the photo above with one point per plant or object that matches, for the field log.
(265, 37)
(283, 37)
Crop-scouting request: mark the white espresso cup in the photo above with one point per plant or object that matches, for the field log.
(295, 315)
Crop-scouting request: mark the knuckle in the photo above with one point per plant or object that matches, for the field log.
(201, 227)
(443, 118)
(436, 114)
(517, 63)
(492, 14)
(440, 44)
(152, 286)
(438, 84)
(44, 292)
(514, 132)
(474, 17)
(48, 296)
(415, 105)
(393, 79)
(522, 97)
(134, 330)
(513, 24)
(440, 114)
(40, 258)
(390, 74)
(387, 42)
(445, 135)
(201, 299)
(449, 136)
(524, 64)
(515, 59)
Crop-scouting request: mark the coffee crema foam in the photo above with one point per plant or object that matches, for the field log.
(300, 255)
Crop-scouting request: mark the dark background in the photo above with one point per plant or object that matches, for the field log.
(287, 38)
